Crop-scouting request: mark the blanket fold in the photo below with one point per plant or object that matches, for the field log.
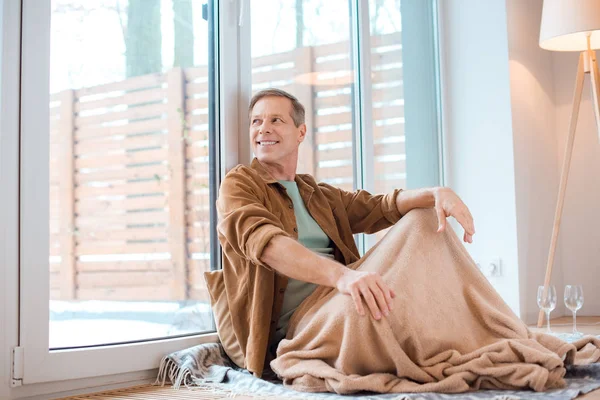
(448, 331)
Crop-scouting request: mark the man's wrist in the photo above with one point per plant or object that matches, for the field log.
(415, 198)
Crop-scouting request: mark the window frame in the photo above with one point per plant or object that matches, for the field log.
(21, 42)
(40, 364)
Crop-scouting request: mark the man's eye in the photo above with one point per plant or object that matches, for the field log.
(277, 119)
(255, 121)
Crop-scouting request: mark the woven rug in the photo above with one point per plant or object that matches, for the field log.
(206, 366)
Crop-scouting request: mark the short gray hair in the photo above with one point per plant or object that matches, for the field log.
(298, 112)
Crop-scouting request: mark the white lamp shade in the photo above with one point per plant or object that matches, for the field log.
(565, 24)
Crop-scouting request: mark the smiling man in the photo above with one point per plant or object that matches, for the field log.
(283, 234)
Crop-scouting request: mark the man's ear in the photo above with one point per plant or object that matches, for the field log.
(302, 133)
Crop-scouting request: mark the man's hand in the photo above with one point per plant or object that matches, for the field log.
(371, 287)
(448, 204)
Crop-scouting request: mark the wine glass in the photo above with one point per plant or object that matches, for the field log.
(574, 301)
(546, 300)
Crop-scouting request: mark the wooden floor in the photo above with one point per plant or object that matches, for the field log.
(587, 325)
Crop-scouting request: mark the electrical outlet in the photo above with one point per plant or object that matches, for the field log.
(495, 267)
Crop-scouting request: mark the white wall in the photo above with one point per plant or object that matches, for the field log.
(535, 150)
(507, 113)
(580, 232)
(478, 129)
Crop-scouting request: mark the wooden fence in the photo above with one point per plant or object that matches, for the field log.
(129, 204)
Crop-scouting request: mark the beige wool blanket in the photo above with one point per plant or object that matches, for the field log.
(448, 331)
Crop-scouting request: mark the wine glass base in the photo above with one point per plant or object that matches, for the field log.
(569, 336)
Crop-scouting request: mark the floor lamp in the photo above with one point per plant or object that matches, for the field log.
(571, 25)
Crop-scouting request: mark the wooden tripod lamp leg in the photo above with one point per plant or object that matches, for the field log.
(564, 176)
(595, 88)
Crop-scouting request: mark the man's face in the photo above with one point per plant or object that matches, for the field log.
(273, 134)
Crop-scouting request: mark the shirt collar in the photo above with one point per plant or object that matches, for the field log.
(262, 172)
(268, 178)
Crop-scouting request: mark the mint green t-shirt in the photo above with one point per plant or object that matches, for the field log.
(310, 235)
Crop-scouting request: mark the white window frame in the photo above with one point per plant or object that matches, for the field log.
(76, 371)
(40, 364)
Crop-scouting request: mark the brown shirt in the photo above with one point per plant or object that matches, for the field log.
(247, 294)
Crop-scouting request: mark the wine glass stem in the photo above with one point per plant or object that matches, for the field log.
(548, 320)
(574, 321)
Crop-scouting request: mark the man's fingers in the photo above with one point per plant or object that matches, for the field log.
(441, 219)
(381, 299)
(387, 292)
(357, 301)
(370, 300)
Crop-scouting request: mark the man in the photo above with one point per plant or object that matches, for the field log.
(283, 234)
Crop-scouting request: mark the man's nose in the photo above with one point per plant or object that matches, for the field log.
(265, 127)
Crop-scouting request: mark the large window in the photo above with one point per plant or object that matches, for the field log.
(130, 112)
(346, 62)
(304, 47)
(129, 184)
(125, 135)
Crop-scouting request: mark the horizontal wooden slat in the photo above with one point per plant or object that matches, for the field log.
(146, 248)
(196, 166)
(196, 119)
(132, 113)
(196, 88)
(287, 85)
(387, 186)
(114, 143)
(387, 75)
(54, 267)
(347, 172)
(345, 100)
(396, 111)
(153, 186)
(122, 158)
(199, 293)
(54, 280)
(195, 73)
(151, 125)
(161, 265)
(121, 219)
(334, 137)
(273, 59)
(199, 200)
(160, 170)
(196, 104)
(386, 40)
(90, 235)
(345, 64)
(138, 82)
(279, 74)
(196, 151)
(347, 152)
(114, 279)
(196, 216)
(199, 247)
(90, 205)
(199, 229)
(131, 98)
(195, 134)
(331, 49)
(125, 293)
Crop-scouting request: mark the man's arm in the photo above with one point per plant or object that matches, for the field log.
(290, 258)
(446, 204)
(415, 198)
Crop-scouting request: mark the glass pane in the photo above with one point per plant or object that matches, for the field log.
(388, 97)
(303, 47)
(129, 184)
